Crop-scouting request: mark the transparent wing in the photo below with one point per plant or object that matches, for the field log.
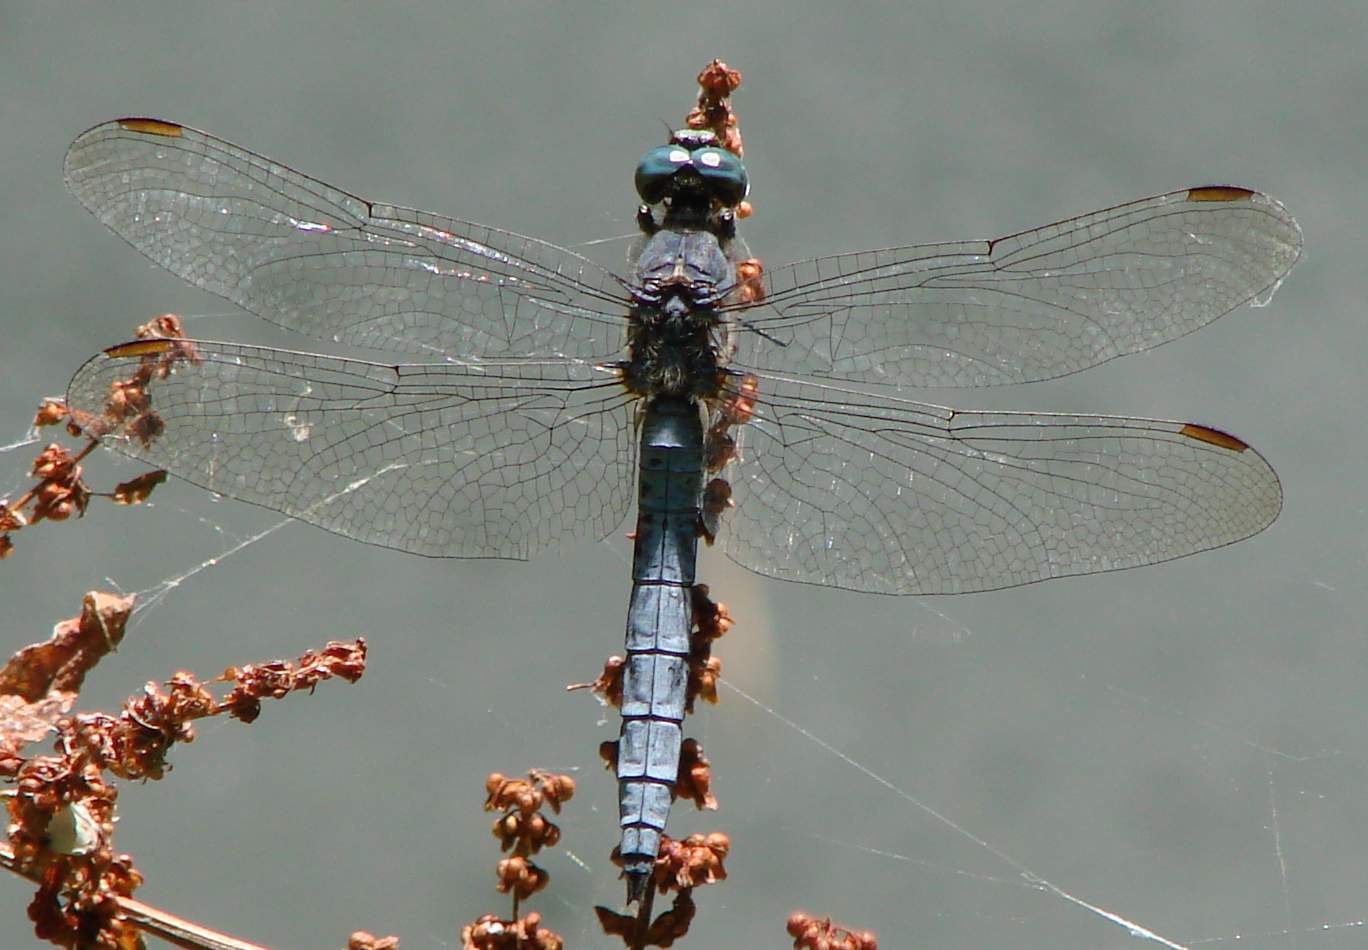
(1034, 305)
(886, 495)
(445, 460)
(317, 260)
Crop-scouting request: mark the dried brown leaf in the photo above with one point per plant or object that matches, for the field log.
(135, 490)
(76, 645)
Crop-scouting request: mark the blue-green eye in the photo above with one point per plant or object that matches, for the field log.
(656, 168)
(723, 172)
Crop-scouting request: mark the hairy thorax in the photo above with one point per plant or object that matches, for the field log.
(682, 276)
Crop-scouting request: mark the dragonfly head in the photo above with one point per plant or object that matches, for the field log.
(691, 171)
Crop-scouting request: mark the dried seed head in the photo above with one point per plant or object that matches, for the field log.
(519, 876)
(492, 933)
(692, 862)
(50, 412)
(695, 776)
(814, 933)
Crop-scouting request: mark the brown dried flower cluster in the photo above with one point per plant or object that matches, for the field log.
(491, 933)
(519, 877)
(668, 927)
(814, 933)
(522, 828)
(59, 494)
(713, 112)
(695, 861)
(680, 867)
(734, 407)
(525, 831)
(135, 490)
(528, 795)
(716, 83)
(695, 776)
(608, 684)
(160, 347)
(255, 682)
(525, 834)
(50, 412)
(749, 287)
(61, 817)
(60, 491)
(717, 494)
(711, 621)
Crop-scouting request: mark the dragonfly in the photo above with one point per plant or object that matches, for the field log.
(765, 410)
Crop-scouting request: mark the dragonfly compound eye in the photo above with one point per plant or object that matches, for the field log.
(656, 169)
(723, 173)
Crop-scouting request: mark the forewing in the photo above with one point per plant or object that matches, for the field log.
(891, 496)
(1031, 306)
(317, 260)
(444, 460)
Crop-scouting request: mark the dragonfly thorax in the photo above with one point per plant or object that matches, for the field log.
(681, 278)
(671, 348)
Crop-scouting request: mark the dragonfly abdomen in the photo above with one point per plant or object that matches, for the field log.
(659, 620)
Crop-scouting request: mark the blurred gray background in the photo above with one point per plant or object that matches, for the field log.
(1180, 748)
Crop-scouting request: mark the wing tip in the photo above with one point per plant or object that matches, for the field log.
(1220, 193)
(150, 126)
(150, 347)
(1216, 437)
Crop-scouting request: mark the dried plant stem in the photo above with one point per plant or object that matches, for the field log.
(159, 923)
(640, 935)
(181, 933)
